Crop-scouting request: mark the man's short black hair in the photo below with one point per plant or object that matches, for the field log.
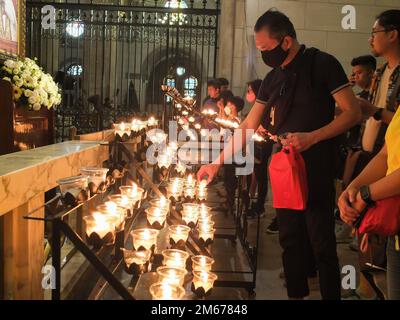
(390, 20)
(225, 95)
(223, 81)
(277, 23)
(238, 102)
(366, 61)
(213, 83)
(255, 85)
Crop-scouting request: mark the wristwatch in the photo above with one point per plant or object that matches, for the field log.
(378, 114)
(366, 196)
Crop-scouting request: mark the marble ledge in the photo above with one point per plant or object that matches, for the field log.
(27, 173)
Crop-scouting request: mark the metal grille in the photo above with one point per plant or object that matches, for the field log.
(111, 58)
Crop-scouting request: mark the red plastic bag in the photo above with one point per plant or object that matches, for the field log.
(288, 177)
(383, 218)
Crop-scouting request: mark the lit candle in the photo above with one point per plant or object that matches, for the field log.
(191, 119)
(100, 229)
(202, 190)
(175, 188)
(164, 160)
(203, 282)
(121, 129)
(151, 122)
(180, 168)
(197, 126)
(132, 192)
(205, 212)
(178, 235)
(135, 261)
(206, 233)
(189, 192)
(190, 213)
(111, 210)
(190, 182)
(156, 217)
(122, 201)
(101, 224)
(164, 291)
(202, 263)
(171, 275)
(175, 258)
(144, 239)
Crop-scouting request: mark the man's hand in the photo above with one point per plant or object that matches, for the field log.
(367, 108)
(209, 170)
(301, 141)
(349, 206)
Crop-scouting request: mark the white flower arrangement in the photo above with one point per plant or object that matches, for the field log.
(31, 86)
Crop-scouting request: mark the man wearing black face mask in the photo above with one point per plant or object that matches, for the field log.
(298, 98)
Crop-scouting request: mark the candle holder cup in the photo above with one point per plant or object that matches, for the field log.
(136, 262)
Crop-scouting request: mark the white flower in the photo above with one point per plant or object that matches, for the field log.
(33, 100)
(9, 64)
(17, 93)
(7, 79)
(28, 93)
(36, 106)
(19, 83)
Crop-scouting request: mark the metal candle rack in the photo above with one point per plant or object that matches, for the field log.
(57, 217)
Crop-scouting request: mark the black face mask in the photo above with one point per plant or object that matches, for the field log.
(275, 57)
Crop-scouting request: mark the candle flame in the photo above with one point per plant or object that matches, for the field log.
(111, 207)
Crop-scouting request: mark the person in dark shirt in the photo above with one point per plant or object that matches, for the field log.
(213, 90)
(298, 99)
(223, 83)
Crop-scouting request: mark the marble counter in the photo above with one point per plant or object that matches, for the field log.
(25, 174)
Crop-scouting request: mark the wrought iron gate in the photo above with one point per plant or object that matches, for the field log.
(112, 57)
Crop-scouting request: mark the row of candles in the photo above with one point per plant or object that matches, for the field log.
(136, 125)
(171, 276)
(172, 273)
(108, 219)
(187, 188)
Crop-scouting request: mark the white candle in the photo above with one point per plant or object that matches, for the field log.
(204, 279)
(175, 258)
(145, 238)
(164, 291)
(202, 263)
(171, 275)
(178, 233)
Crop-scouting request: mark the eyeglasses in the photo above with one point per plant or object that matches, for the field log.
(385, 30)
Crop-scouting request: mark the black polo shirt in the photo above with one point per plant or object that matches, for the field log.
(311, 106)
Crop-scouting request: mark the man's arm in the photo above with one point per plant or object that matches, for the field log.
(368, 110)
(252, 121)
(350, 116)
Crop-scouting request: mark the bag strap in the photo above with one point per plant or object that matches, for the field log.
(395, 93)
(364, 243)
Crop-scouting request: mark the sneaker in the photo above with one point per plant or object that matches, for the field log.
(353, 245)
(343, 233)
(273, 227)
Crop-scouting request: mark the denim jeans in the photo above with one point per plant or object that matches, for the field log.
(393, 270)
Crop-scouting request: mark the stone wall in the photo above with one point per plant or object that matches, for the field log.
(318, 24)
